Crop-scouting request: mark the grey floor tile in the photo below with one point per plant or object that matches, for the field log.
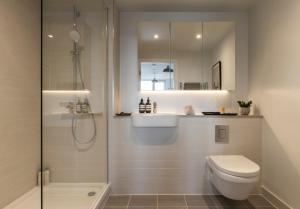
(199, 200)
(141, 207)
(123, 207)
(117, 200)
(171, 200)
(220, 200)
(255, 201)
(233, 207)
(179, 207)
(143, 200)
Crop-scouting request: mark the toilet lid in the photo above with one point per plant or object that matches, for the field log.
(236, 165)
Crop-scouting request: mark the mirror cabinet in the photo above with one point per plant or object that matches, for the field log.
(186, 55)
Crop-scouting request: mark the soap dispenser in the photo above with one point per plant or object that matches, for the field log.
(142, 107)
(148, 106)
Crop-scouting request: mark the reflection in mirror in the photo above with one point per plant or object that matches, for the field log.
(156, 76)
(154, 56)
(187, 55)
(186, 45)
(219, 54)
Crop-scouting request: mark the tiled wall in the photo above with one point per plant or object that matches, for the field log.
(172, 160)
(20, 97)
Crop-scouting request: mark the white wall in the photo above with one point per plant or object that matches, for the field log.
(172, 160)
(274, 85)
(20, 97)
(129, 83)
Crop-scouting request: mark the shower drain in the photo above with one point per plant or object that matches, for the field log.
(91, 194)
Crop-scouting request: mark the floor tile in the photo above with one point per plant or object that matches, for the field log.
(203, 207)
(143, 200)
(117, 200)
(199, 200)
(171, 200)
(123, 207)
(220, 200)
(179, 207)
(233, 207)
(255, 201)
(141, 207)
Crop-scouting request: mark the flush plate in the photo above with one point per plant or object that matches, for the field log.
(221, 134)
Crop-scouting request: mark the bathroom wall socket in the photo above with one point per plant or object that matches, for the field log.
(221, 134)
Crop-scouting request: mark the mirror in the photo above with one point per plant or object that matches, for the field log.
(186, 55)
(154, 56)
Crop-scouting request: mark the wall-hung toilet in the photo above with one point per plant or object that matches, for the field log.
(234, 176)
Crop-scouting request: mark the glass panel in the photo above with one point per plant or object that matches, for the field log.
(74, 104)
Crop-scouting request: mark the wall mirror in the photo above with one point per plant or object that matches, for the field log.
(186, 55)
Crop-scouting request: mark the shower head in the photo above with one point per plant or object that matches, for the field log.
(75, 35)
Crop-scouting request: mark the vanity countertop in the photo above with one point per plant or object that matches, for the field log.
(207, 116)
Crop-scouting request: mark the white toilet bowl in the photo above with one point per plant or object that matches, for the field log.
(234, 176)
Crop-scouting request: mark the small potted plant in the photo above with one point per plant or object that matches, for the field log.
(244, 107)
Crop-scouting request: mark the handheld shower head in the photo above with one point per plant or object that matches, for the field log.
(75, 35)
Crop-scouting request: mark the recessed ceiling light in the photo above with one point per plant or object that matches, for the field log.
(156, 36)
(50, 36)
(198, 36)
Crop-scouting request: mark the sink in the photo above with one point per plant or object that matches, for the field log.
(154, 120)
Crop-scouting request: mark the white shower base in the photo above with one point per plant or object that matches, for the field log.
(63, 196)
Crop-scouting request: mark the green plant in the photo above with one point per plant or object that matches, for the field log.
(244, 104)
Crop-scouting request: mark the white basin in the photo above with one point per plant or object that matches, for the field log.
(154, 120)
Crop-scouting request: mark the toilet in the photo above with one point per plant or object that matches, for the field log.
(234, 176)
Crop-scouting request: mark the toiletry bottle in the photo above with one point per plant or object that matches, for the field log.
(148, 106)
(142, 107)
(78, 106)
(46, 177)
(154, 107)
(85, 106)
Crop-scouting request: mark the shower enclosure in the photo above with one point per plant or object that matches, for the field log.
(74, 145)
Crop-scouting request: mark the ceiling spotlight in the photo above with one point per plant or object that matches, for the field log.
(198, 36)
(156, 36)
(50, 36)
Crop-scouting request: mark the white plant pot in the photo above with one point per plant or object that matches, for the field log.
(244, 110)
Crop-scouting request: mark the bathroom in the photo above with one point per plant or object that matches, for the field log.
(122, 104)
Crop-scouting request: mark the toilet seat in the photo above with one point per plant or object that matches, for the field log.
(234, 176)
(234, 166)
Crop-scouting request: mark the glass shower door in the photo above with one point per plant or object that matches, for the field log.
(74, 167)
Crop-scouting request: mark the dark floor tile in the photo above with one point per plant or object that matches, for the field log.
(117, 200)
(233, 207)
(141, 207)
(179, 207)
(123, 207)
(171, 200)
(203, 207)
(143, 200)
(220, 200)
(255, 201)
(199, 200)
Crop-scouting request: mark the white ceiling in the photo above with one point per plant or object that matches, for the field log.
(185, 5)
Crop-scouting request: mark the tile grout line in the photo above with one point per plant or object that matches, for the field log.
(129, 199)
(184, 196)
